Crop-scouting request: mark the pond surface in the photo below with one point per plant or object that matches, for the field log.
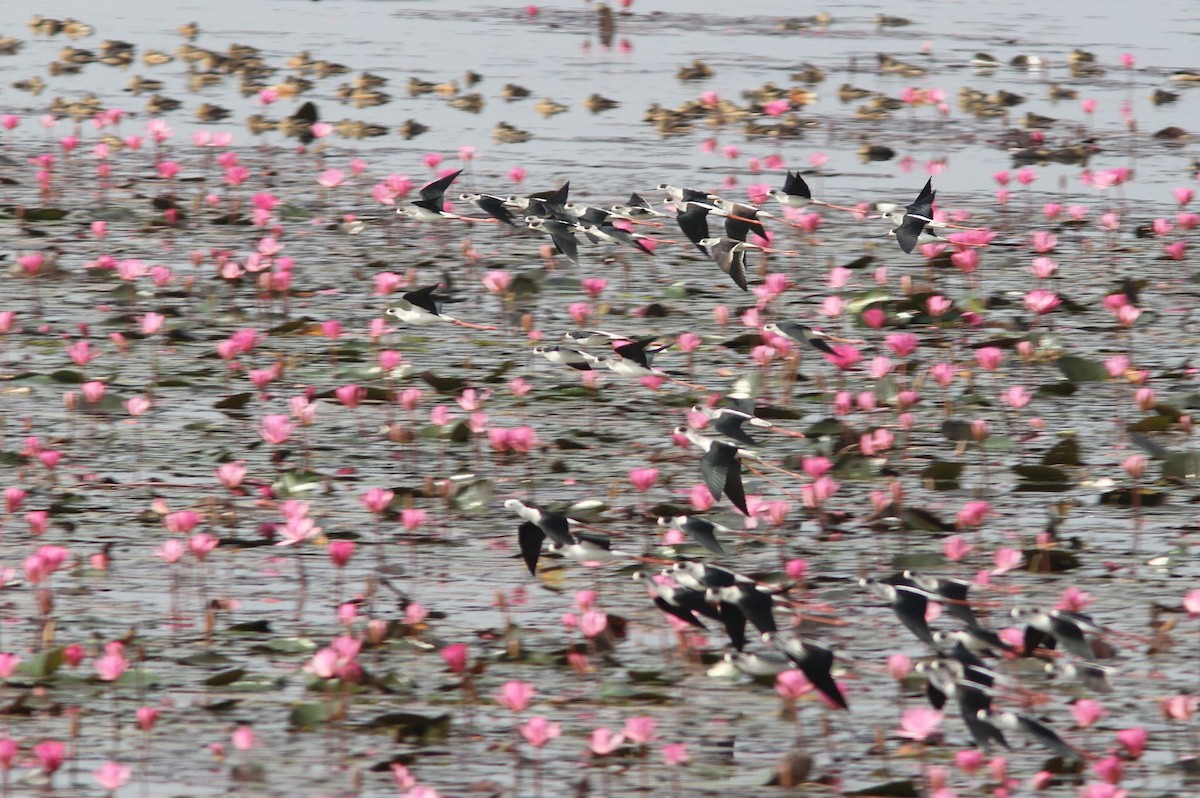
(221, 642)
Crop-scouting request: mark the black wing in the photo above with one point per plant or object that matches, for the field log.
(795, 186)
(1046, 736)
(435, 192)
(694, 224)
(732, 261)
(530, 537)
(817, 665)
(1071, 636)
(704, 533)
(557, 528)
(636, 351)
(923, 204)
(909, 232)
(424, 299)
(756, 606)
(682, 613)
(954, 591)
(564, 240)
(735, 624)
(495, 208)
(730, 425)
(909, 607)
(737, 229)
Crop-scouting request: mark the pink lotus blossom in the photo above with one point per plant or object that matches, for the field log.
(111, 775)
(1006, 560)
(1086, 712)
(919, 723)
(603, 741)
(515, 696)
(538, 731)
(1133, 740)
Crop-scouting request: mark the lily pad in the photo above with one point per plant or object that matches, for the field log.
(1065, 452)
(1041, 478)
(410, 724)
(308, 715)
(1049, 561)
(942, 474)
(287, 645)
(1123, 497)
(1080, 369)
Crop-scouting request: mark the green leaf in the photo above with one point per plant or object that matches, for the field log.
(918, 561)
(1155, 423)
(286, 645)
(942, 474)
(1049, 561)
(410, 724)
(298, 483)
(235, 401)
(42, 665)
(1041, 478)
(67, 376)
(225, 677)
(1079, 369)
(308, 715)
(1065, 452)
(1182, 466)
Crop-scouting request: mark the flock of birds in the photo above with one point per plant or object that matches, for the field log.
(960, 671)
(566, 222)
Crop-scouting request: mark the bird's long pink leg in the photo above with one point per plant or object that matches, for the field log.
(468, 324)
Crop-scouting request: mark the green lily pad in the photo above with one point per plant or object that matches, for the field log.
(1041, 478)
(235, 401)
(1065, 452)
(1123, 497)
(1181, 466)
(1080, 369)
(410, 724)
(308, 715)
(67, 376)
(286, 645)
(942, 474)
(1049, 561)
(298, 483)
(225, 677)
(1154, 423)
(42, 665)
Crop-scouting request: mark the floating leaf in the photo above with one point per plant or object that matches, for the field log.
(1181, 466)
(1064, 388)
(1041, 478)
(67, 376)
(225, 677)
(942, 474)
(1080, 369)
(42, 665)
(955, 430)
(922, 520)
(1123, 497)
(1049, 561)
(287, 645)
(410, 724)
(1065, 452)
(443, 384)
(905, 788)
(259, 626)
(918, 561)
(235, 401)
(308, 715)
(298, 482)
(1155, 423)
(205, 659)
